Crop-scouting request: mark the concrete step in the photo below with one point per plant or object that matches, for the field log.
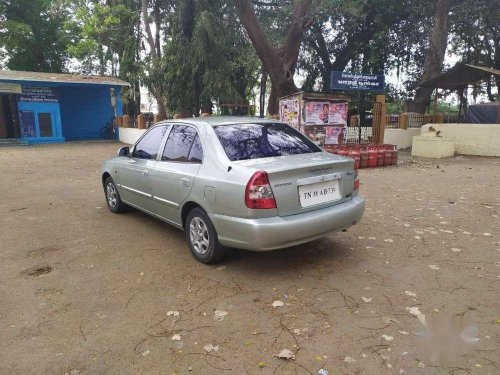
(9, 142)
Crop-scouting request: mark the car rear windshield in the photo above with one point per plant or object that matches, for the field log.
(254, 141)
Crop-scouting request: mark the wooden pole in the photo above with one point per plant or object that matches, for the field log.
(383, 113)
(460, 94)
(435, 106)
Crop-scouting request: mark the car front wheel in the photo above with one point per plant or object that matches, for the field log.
(113, 199)
(202, 237)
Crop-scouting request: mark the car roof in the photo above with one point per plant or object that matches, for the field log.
(221, 120)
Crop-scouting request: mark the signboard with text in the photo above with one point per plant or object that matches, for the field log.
(356, 81)
(37, 95)
(10, 88)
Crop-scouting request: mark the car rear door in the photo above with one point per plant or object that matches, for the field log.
(135, 172)
(174, 173)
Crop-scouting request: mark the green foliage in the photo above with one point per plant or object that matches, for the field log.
(101, 32)
(216, 65)
(104, 40)
(32, 36)
(204, 58)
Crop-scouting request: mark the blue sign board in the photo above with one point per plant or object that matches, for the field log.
(356, 81)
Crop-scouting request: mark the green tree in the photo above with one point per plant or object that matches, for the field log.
(32, 35)
(105, 40)
(208, 60)
(279, 59)
(475, 30)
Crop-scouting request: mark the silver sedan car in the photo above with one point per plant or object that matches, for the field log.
(230, 182)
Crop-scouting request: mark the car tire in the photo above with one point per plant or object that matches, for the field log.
(113, 199)
(202, 237)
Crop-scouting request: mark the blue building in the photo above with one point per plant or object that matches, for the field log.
(49, 107)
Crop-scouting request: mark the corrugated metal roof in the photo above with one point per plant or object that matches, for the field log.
(460, 76)
(15, 75)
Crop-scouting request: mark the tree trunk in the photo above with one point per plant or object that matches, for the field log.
(321, 48)
(435, 57)
(155, 56)
(280, 62)
(162, 110)
(102, 63)
(496, 65)
(263, 89)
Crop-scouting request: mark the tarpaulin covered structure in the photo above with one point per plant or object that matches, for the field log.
(459, 78)
(485, 113)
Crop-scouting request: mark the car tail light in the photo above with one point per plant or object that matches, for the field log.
(356, 180)
(258, 194)
(356, 184)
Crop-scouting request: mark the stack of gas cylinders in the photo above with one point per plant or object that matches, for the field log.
(368, 155)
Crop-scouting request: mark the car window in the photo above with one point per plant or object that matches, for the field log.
(253, 141)
(179, 143)
(149, 146)
(196, 153)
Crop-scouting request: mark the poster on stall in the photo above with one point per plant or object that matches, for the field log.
(334, 135)
(317, 113)
(337, 114)
(289, 112)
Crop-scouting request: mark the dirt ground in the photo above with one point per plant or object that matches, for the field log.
(84, 291)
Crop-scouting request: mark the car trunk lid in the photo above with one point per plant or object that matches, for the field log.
(306, 182)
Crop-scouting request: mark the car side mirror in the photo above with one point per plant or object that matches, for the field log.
(124, 151)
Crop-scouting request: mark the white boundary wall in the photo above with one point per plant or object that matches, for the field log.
(130, 135)
(402, 138)
(471, 139)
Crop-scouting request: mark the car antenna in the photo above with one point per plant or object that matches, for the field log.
(229, 168)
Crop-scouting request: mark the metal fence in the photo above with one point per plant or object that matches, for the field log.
(410, 120)
(417, 120)
(363, 123)
(391, 121)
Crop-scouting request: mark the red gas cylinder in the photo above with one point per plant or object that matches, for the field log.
(394, 152)
(363, 157)
(372, 156)
(342, 151)
(380, 155)
(387, 154)
(354, 154)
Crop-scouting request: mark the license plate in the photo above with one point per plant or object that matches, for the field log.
(321, 192)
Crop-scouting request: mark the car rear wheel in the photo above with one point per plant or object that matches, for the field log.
(113, 199)
(202, 237)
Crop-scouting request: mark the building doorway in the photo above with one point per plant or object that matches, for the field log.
(8, 117)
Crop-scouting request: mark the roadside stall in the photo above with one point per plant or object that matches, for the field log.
(320, 116)
(325, 119)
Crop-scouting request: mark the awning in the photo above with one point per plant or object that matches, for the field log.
(460, 76)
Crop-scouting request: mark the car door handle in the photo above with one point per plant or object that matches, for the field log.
(185, 182)
(145, 172)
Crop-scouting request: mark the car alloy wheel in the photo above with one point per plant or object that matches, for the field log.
(199, 236)
(111, 194)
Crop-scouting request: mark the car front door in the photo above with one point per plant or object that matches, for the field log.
(174, 173)
(135, 172)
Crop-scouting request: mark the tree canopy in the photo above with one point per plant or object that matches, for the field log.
(198, 55)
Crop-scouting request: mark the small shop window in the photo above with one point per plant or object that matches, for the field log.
(27, 122)
(45, 124)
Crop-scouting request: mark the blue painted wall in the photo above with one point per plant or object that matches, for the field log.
(79, 113)
(86, 109)
(34, 109)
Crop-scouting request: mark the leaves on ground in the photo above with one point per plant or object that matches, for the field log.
(286, 354)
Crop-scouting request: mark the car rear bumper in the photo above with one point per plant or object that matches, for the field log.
(278, 232)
